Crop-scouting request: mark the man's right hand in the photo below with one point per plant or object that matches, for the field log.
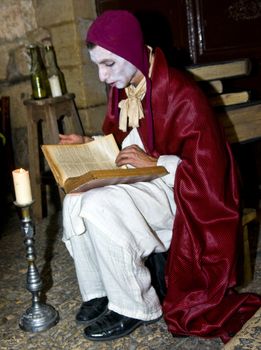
(73, 139)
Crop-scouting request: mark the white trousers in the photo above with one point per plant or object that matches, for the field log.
(109, 232)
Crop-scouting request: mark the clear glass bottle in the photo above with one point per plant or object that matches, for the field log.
(55, 75)
(39, 80)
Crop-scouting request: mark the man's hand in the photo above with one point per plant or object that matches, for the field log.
(73, 139)
(136, 157)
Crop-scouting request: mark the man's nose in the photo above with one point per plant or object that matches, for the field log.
(103, 74)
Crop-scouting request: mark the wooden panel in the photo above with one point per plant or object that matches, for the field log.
(224, 29)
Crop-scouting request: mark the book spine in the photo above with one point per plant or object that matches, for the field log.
(220, 70)
(228, 99)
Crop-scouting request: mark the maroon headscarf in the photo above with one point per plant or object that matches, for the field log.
(119, 32)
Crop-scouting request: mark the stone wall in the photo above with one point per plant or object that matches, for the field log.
(64, 23)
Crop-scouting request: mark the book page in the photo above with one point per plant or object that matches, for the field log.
(74, 160)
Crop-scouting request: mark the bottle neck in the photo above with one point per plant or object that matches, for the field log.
(51, 63)
(36, 59)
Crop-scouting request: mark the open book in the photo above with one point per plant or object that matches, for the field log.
(80, 167)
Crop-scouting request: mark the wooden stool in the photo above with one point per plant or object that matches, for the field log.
(50, 111)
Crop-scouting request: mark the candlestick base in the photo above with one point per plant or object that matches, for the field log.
(38, 318)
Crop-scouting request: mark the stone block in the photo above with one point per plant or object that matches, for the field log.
(22, 60)
(18, 18)
(74, 84)
(92, 119)
(94, 88)
(85, 8)
(85, 85)
(65, 40)
(4, 58)
(82, 28)
(36, 36)
(49, 12)
(14, 62)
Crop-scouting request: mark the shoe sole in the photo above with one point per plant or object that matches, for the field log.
(138, 324)
(88, 323)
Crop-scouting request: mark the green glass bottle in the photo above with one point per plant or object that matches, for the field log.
(39, 80)
(55, 75)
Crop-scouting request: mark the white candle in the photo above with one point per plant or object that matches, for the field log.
(22, 186)
(55, 86)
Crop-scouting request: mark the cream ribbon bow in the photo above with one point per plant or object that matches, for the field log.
(131, 107)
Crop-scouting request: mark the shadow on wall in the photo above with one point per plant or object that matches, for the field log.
(157, 33)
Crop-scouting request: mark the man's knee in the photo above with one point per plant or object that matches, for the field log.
(102, 197)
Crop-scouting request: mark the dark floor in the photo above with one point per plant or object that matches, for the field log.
(61, 289)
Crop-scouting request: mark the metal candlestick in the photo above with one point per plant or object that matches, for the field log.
(39, 317)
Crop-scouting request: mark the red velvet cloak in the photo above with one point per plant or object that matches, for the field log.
(201, 265)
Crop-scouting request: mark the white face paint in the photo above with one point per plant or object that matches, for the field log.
(113, 70)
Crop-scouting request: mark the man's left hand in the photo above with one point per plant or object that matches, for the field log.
(135, 156)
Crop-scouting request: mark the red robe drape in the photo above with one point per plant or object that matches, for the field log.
(201, 265)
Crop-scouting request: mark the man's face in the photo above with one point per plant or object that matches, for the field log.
(113, 70)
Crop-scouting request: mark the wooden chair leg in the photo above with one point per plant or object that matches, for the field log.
(247, 260)
(249, 215)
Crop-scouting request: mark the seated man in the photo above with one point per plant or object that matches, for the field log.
(159, 116)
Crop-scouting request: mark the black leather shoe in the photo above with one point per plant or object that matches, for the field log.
(92, 310)
(113, 326)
